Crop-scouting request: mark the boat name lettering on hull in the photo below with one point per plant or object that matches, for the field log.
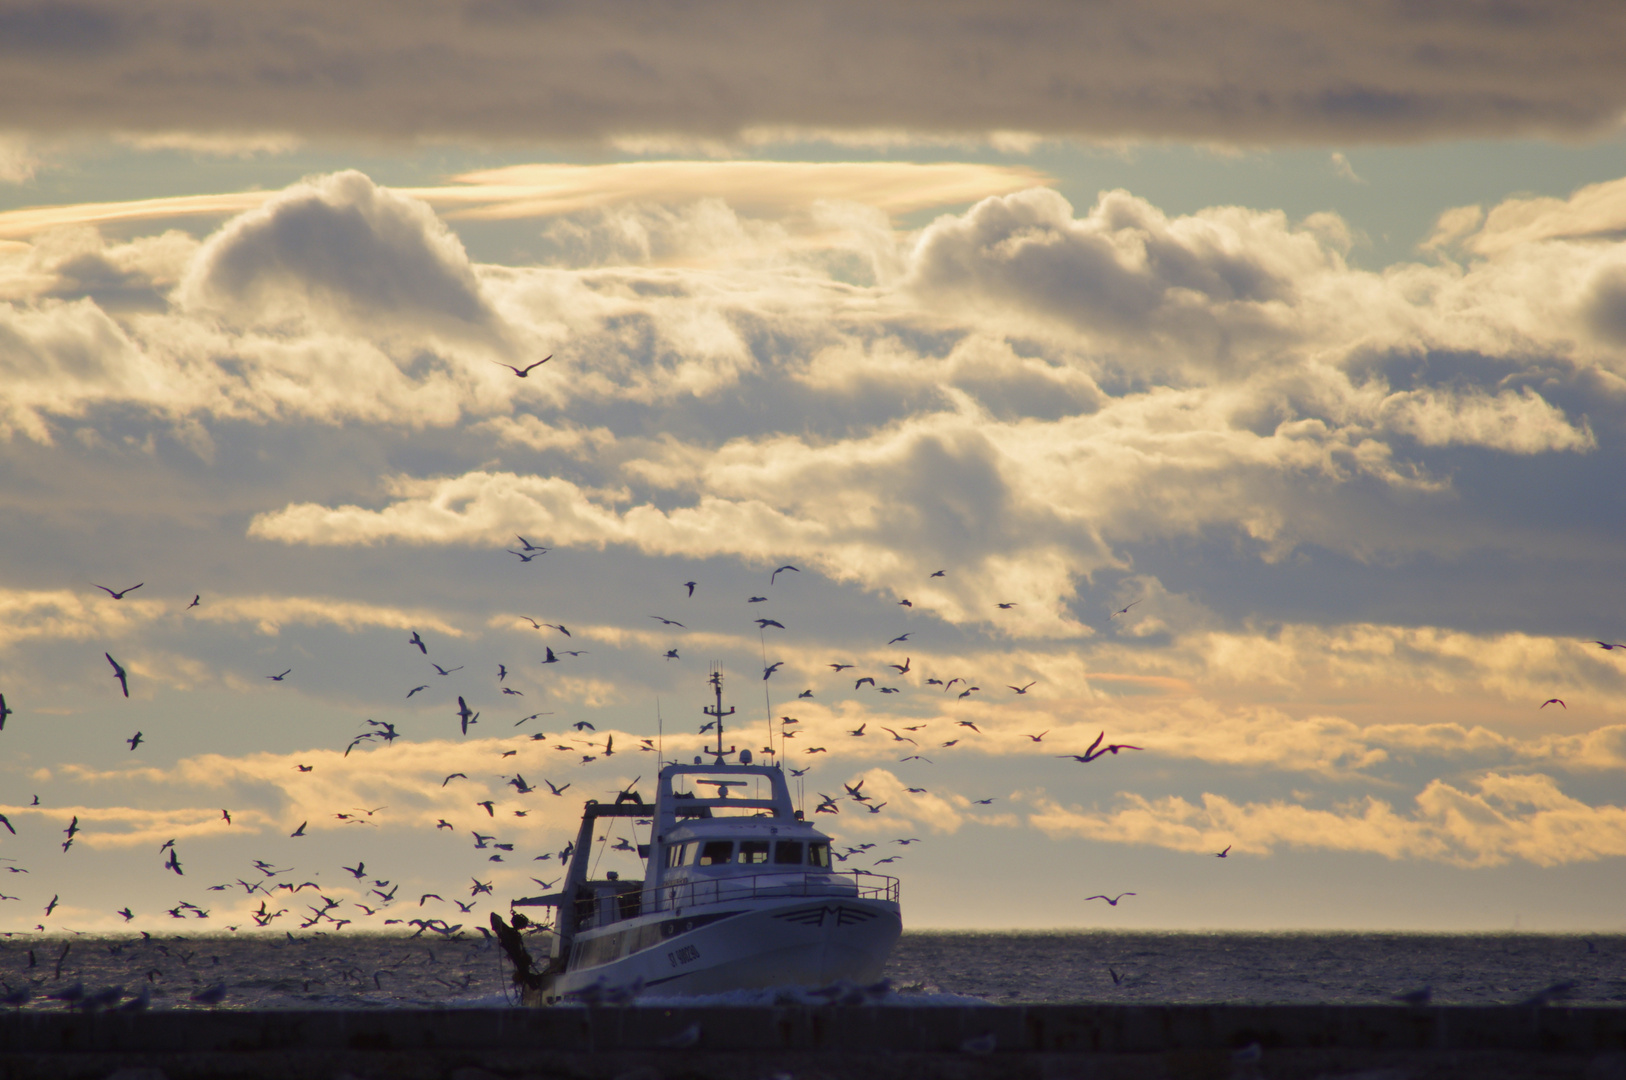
(686, 955)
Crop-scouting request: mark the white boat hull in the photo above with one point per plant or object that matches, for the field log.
(801, 941)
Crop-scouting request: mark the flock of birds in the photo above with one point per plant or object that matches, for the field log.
(266, 882)
(380, 895)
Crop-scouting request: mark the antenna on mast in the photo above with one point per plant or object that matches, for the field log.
(717, 713)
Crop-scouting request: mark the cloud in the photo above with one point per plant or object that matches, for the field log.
(1125, 268)
(763, 189)
(336, 300)
(756, 188)
(221, 144)
(18, 162)
(34, 615)
(1500, 818)
(343, 247)
(508, 69)
(1596, 212)
(1341, 166)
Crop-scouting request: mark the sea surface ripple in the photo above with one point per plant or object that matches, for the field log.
(398, 971)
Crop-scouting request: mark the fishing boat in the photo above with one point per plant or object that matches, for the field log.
(738, 893)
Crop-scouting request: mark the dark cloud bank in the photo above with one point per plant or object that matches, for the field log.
(516, 69)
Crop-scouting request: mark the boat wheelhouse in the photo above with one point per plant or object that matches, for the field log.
(738, 892)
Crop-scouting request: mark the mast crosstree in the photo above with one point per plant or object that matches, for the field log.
(716, 712)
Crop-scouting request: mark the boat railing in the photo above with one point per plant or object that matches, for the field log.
(853, 884)
(724, 889)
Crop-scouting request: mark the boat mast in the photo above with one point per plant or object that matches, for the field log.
(717, 712)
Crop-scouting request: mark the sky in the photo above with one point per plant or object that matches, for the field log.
(1241, 385)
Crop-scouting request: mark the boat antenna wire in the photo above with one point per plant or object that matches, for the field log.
(767, 702)
(660, 737)
(614, 824)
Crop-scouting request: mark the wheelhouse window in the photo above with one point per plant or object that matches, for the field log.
(818, 854)
(753, 852)
(716, 852)
(677, 855)
(787, 853)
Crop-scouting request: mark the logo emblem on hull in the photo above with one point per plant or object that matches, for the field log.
(815, 916)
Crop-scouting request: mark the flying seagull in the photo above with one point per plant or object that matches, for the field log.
(118, 673)
(418, 641)
(5, 711)
(1555, 701)
(134, 740)
(279, 678)
(1124, 611)
(445, 671)
(668, 622)
(119, 595)
(1113, 900)
(526, 371)
(690, 586)
(781, 570)
(465, 714)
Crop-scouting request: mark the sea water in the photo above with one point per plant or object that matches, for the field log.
(395, 971)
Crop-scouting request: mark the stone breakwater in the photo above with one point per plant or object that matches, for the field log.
(647, 1043)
